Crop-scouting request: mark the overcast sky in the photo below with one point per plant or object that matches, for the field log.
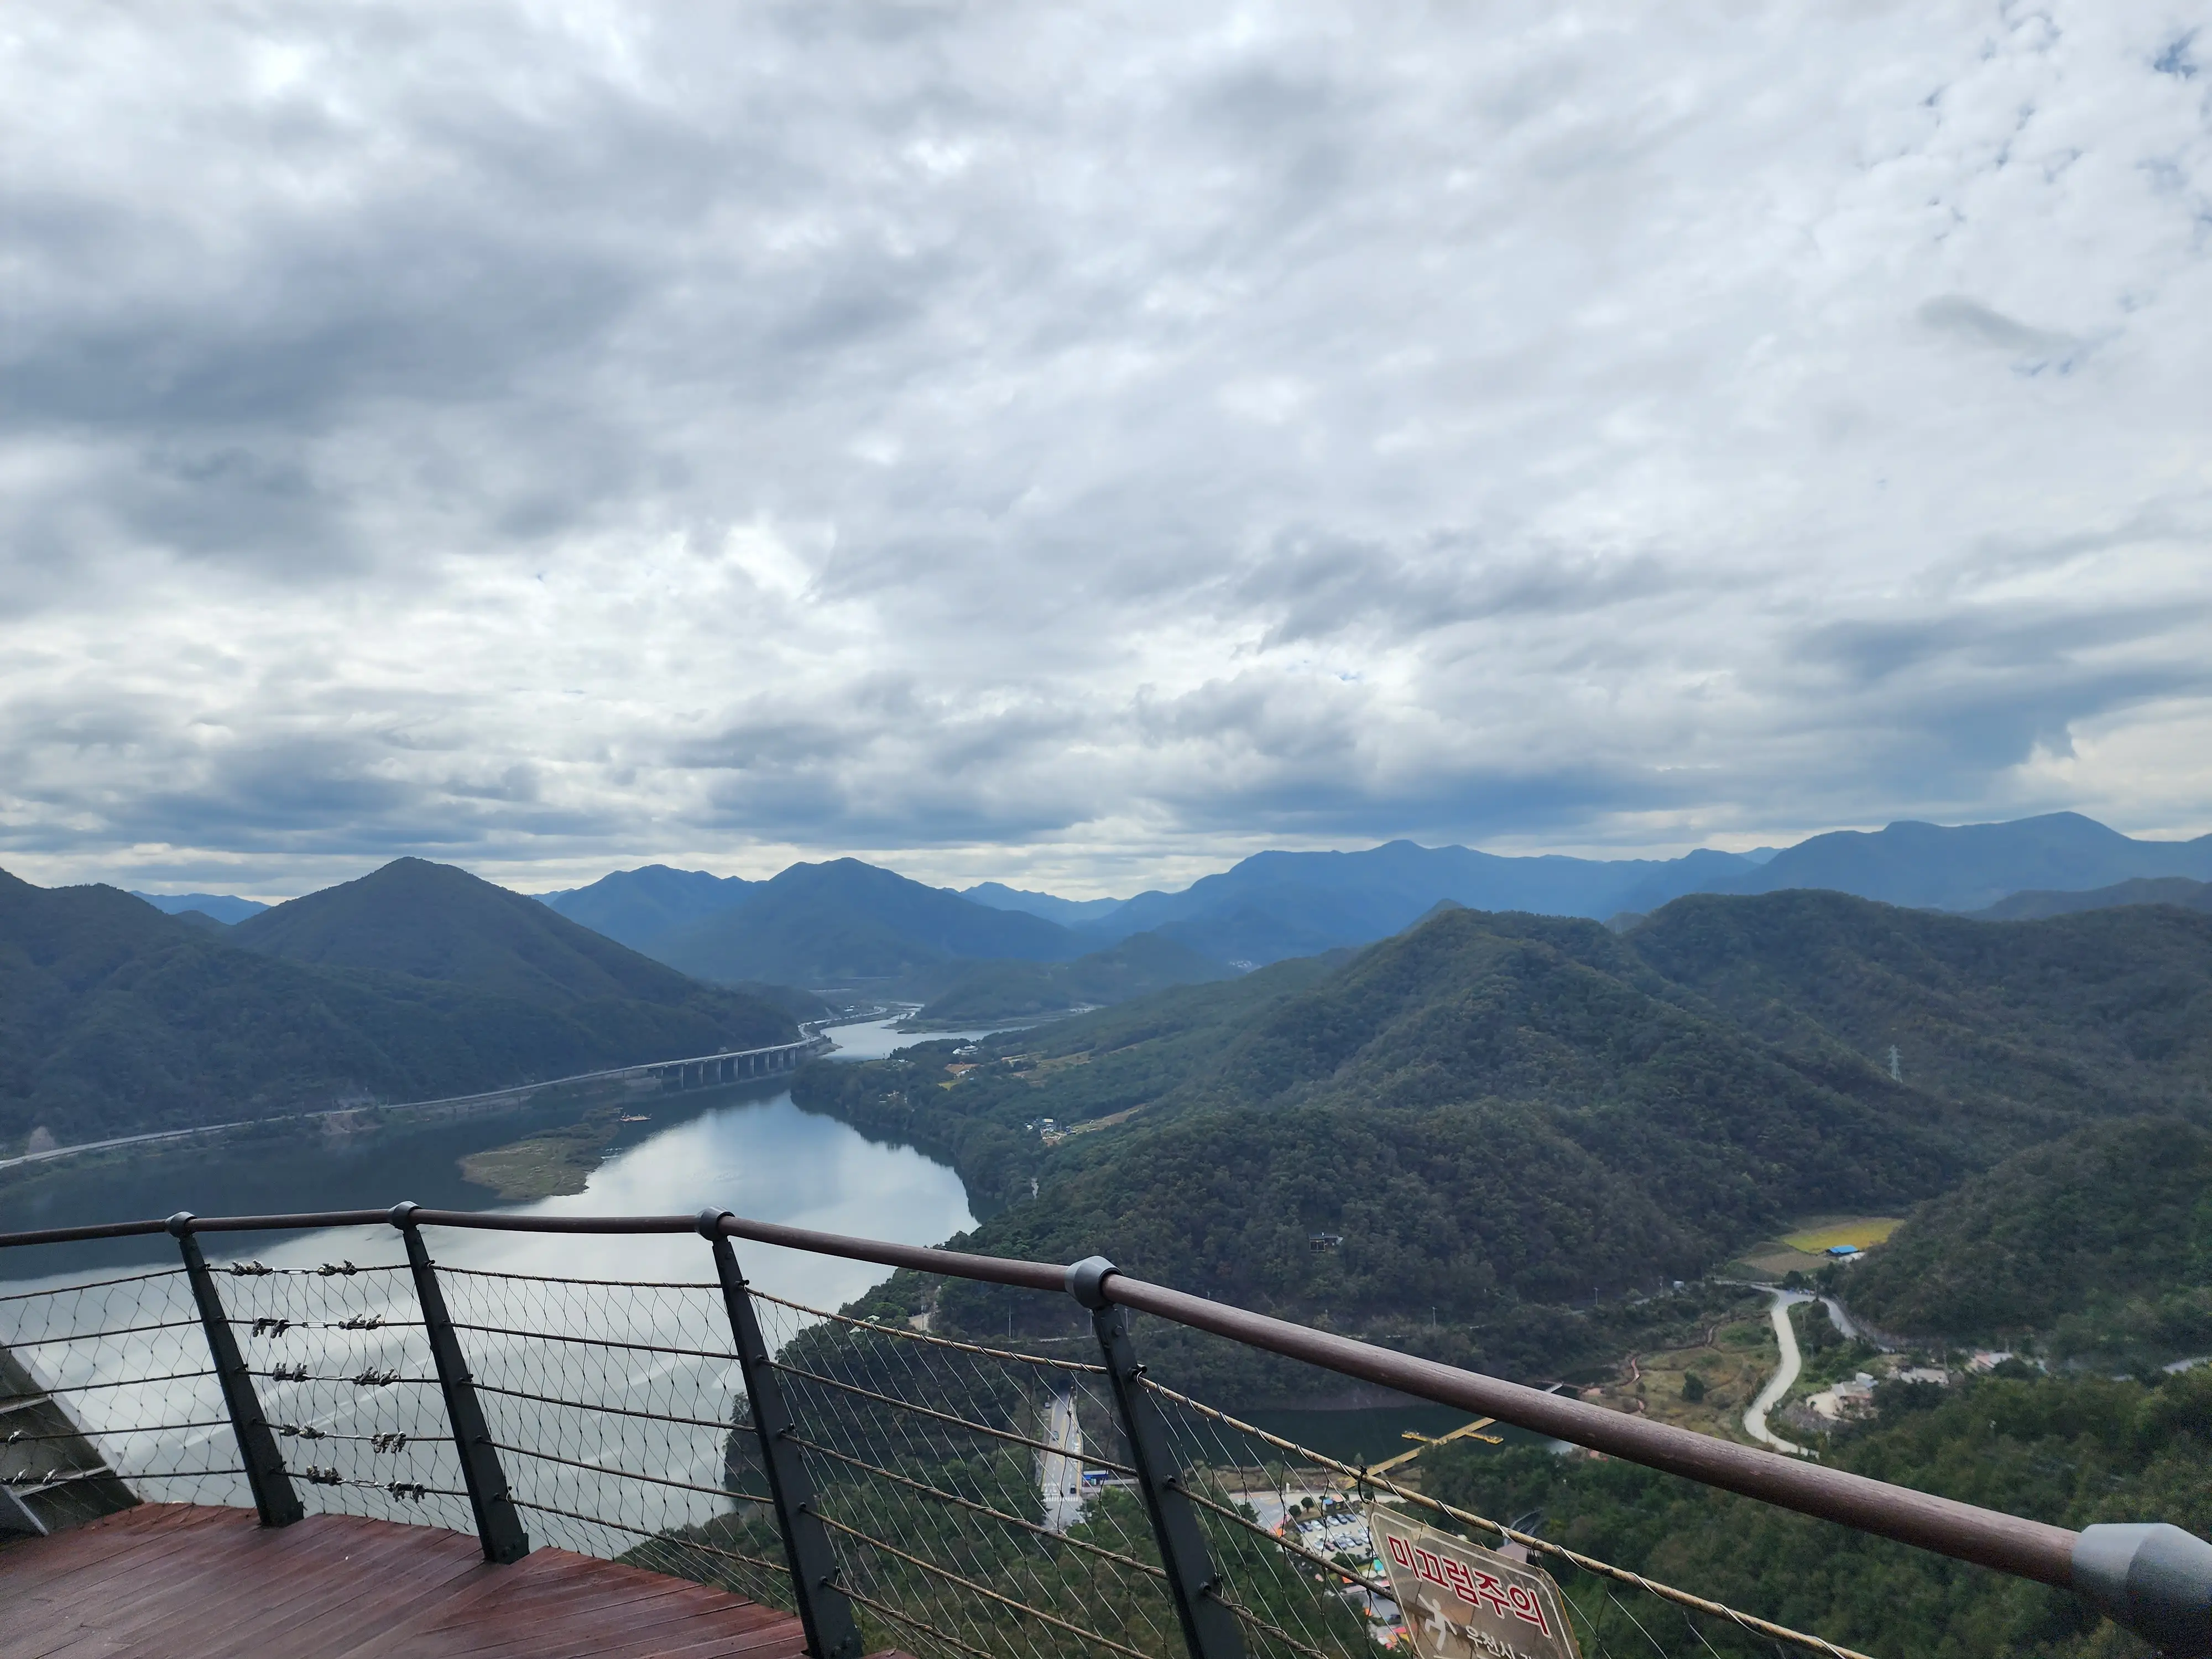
(1081, 445)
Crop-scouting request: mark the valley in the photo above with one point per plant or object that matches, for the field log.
(1542, 1148)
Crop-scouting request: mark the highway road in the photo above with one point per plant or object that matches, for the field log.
(1059, 1472)
(514, 1092)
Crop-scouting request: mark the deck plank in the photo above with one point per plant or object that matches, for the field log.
(369, 1607)
(186, 1582)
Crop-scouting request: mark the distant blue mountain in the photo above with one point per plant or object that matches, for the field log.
(1068, 913)
(835, 923)
(637, 907)
(846, 922)
(2031, 905)
(1931, 867)
(225, 907)
(1274, 905)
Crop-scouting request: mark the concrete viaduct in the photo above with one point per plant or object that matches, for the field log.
(708, 1070)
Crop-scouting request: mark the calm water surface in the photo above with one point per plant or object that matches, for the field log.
(759, 1156)
(876, 1039)
(756, 1154)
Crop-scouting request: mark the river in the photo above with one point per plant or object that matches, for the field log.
(746, 1148)
(757, 1154)
(753, 1152)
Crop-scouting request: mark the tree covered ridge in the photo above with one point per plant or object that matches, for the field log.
(1490, 1109)
(2101, 1239)
(2042, 1023)
(114, 1017)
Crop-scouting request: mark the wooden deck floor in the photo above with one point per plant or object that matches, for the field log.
(188, 1583)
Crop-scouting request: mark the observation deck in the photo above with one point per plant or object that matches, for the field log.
(399, 1454)
(199, 1582)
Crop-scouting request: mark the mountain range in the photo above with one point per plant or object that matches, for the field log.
(416, 982)
(225, 907)
(2037, 903)
(1274, 903)
(1490, 1110)
(851, 925)
(848, 923)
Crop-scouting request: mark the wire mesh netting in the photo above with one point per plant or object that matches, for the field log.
(110, 1378)
(980, 1500)
(1275, 1509)
(978, 1496)
(612, 1405)
(342, 1364)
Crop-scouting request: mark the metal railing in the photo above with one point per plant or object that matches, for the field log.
(888, 1484)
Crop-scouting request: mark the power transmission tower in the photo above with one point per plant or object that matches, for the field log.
(1896, 1075)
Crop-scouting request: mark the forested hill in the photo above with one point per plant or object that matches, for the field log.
(114, 1019)
(435, 921)
(1483, 1104)
(1491, 1107)
(2041, 1023)
(2035, 905)
(2069, 1452)
(2101, 1240)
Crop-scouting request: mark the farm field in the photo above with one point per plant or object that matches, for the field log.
(1800, 1250)
(1866, 1231)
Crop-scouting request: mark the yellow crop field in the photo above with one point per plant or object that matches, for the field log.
(1865, 1231)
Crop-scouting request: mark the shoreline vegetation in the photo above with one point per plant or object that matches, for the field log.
(552, 1163)
(337, 1128)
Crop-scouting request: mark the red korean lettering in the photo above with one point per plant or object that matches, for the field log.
(1489, 1593)
(1462, 1585)
(1527, 1608)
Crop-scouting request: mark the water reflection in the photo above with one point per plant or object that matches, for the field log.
(761, 1158)
(877, 1039)
(338, 1305)
(767, 1160)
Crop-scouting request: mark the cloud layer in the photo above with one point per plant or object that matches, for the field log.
(1080, 447)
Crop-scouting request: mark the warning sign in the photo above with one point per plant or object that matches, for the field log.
(1462, 1601)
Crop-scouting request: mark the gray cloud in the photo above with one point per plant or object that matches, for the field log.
(1003, 441)
(1970, 320)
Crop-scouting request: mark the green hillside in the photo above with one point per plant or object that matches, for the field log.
(2102, 1239)
(2035, 1025)
(1485, 1105)
(435, 922)
(2035, 905)
(1489, 1112)
(1138, 966)
(114, 1019)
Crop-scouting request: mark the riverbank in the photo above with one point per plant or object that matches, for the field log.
(555, 1161)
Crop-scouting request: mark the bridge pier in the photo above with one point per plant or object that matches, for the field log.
(708, 1070)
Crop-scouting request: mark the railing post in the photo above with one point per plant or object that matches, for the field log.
(824, 1610)
(498, 1526)
(273, 1496)
(1209, 1629)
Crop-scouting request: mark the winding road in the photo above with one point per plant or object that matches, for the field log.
(1755, 1419)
